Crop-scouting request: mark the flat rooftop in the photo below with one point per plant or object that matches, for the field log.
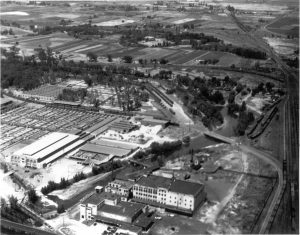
(46, 145)
(186, 187)
(128, 209)
(97, 198)
(154, 181)
(117, 144)
(107, 150)
(123, 183)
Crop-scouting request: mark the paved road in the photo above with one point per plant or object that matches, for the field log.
(9, 224)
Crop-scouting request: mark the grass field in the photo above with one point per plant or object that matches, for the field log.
(286, 25)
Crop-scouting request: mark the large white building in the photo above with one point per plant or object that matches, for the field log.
(45, 150)
(173, 194)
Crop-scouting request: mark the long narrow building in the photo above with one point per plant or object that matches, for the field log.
(46, 150)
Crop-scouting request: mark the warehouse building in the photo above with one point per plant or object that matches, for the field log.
(46, 150)
(171, 194)
(107, 149)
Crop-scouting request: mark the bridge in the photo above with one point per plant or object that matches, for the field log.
(219, 137)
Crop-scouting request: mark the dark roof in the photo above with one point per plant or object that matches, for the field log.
(185, 187)
(143, 221)
(128, 209)
(155, 181)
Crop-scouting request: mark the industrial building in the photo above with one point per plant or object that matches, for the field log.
(105, 148)
(106, 206)
(46, 150)
(171, 194)
(120, 187)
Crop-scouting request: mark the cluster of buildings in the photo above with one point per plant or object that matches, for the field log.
(126, 202)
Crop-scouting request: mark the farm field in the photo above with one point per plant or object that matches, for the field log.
(286, 26)
(189, 57)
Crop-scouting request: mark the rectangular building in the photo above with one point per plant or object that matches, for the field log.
(106, 206)
(120, 187)
(124, 211)
(106, 150)
(45, 150)
(170, 193)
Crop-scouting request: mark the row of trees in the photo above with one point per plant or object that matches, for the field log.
(165, 148)
(10, 210)
(106, 167)
(64, 183)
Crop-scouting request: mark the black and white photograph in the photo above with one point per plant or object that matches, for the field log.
(149, 117)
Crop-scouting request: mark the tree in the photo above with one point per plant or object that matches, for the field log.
(109, 58)
(42, 55)
(239, 88)
(3, 205)
(161, 160)
(32, 196)
(127, 59)
(96, 103)
(141, 61)
(13, 201)
(163, 61)
(243, 107)
(92, 56)
(88, 81)
(269, 86)
(60, 209)
(10, 31)
(231, 97)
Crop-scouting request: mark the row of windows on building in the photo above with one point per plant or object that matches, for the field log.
(149, 190)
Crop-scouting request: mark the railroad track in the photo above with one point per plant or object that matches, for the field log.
(291, 138)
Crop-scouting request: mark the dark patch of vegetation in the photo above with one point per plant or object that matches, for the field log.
(32, 196)
(10, 210)
(55, 186)
(73, 95)
(159, 149)
(61, 209)
(106, 167)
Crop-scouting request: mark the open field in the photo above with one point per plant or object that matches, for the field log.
(283, 46)
(286, 25)
(115, 22)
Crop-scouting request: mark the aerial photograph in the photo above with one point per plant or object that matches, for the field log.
(149, 117)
